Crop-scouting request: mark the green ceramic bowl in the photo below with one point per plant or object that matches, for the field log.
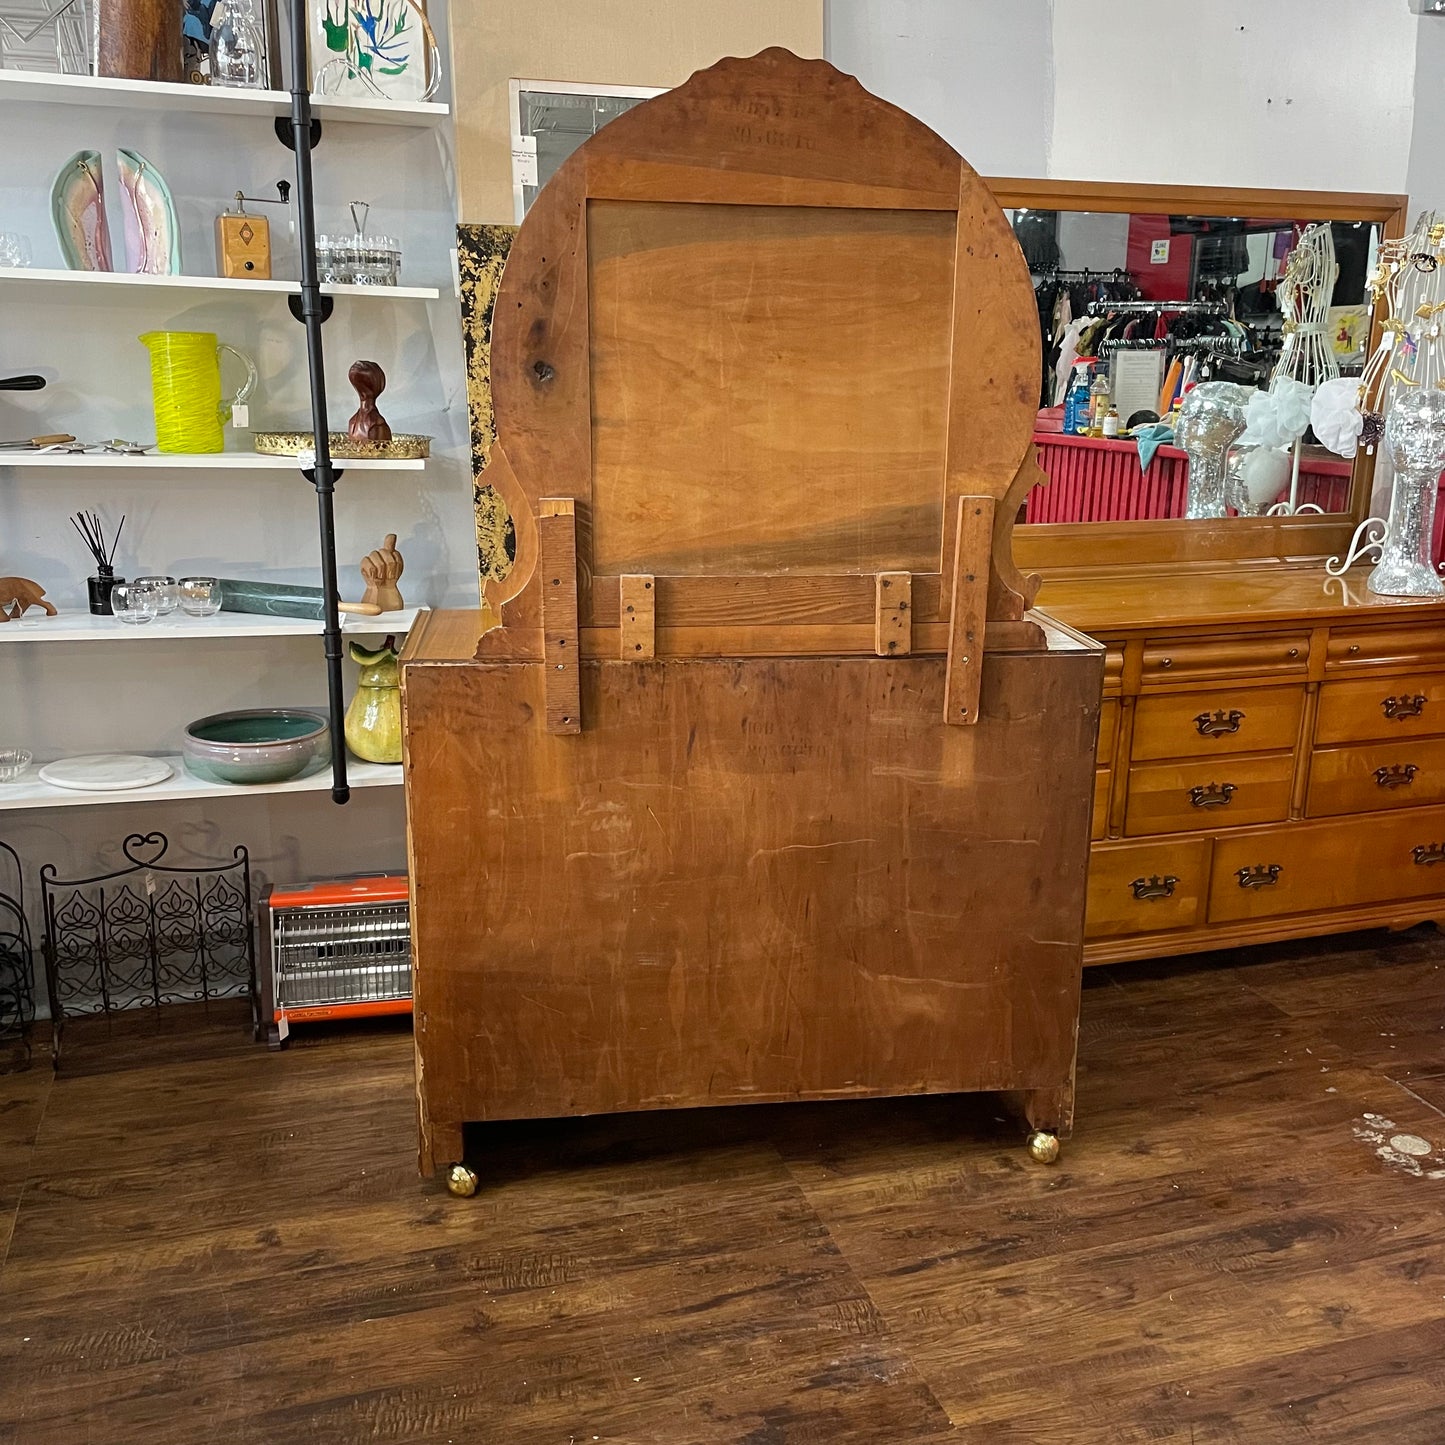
(257, 745)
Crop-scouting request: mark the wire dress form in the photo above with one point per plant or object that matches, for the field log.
(1402, 399)
(1306, 359)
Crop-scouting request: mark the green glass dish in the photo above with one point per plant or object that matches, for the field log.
(256, 745)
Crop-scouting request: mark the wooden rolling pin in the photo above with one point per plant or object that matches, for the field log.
(276, 600)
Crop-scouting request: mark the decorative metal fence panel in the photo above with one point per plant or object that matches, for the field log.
(17, 995)
(147, 935)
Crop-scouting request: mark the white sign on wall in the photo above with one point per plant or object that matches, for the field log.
(1159, 253)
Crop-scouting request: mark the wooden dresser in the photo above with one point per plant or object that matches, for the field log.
(1271, 759)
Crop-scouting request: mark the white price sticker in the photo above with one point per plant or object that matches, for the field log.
(524, 160)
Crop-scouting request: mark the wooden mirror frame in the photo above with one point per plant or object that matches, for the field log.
(758, 136)
(1054, 547)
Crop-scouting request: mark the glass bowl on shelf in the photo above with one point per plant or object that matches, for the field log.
(134, 603)
(13, 762)
(168, 596)
(200, 596)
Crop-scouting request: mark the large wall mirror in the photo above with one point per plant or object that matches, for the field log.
(1162, 286)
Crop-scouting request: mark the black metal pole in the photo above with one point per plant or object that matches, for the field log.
(323, 476)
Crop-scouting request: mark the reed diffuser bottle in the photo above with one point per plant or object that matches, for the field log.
(92, 533)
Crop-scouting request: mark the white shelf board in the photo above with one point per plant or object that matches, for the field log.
(29, 792)
(32, 87)
(82, 627)
(123, 284)
(214, 461)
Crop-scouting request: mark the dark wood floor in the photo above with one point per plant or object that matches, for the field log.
(202, 1241)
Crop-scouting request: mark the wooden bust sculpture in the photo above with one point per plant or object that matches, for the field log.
(767, 786)
(368, 424)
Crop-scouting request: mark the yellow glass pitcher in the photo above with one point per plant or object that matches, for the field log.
(186, 389)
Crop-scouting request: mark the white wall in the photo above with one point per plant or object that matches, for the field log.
(1293, 93)
(1425, 180)
(61, 699)
(978, 71)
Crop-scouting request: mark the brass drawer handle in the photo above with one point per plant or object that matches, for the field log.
(1212, 795)
(1426, 854)
(1218, 723)
(1397, 709)
(1397, 775)
(1146, 890)
(1262, 875)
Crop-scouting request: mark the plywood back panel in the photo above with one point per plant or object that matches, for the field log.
(769, 387)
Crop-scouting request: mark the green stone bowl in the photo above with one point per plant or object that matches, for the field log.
(256, 745)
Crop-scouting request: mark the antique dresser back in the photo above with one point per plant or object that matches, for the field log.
(765, 786)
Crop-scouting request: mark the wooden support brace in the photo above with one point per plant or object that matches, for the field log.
(637, 596)
(893, 614)
(557, 570)
(973, 546)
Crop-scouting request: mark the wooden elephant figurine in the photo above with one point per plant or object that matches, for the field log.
(18, 595)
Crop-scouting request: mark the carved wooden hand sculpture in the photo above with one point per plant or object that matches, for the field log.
(381, 570)
(19, 594)
(368, 425)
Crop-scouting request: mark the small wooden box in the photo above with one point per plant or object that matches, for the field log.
(243, 247)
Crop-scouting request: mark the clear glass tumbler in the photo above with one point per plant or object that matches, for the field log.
(134, 603)
(200, 596)
(168, 595)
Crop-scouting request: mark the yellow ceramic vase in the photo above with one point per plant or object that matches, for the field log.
(373, 721)
(186, 389)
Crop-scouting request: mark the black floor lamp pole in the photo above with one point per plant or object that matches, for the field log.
(312, 312)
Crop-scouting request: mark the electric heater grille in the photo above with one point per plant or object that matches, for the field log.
(340, 948)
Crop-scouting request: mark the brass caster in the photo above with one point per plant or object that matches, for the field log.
(1043, 1146)
(462, 1181)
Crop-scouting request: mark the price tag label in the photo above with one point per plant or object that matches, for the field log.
(524, 160)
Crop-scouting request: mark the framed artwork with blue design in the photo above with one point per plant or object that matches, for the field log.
(375, 49)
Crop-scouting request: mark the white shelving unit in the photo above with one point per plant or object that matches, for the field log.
(177, 106)
(214, 461)
(82, 627)
(120, 285)
(36, 88)
(28, 791)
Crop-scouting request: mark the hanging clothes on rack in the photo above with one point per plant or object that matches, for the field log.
(1062, 296)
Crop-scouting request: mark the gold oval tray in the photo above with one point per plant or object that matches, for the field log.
(401, 448)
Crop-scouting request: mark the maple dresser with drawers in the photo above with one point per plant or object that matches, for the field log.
(1271, 756)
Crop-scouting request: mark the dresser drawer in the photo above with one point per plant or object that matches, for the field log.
(1184, 797)
(1394, 644)
(1168, 661)
(1372, 776)
(1101, 802)
(1146, 887)
(1386, 707)
(1215, 724)
(1108, 730)
(1304, 867)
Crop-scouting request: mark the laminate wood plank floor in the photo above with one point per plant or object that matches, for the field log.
(1243, 1243)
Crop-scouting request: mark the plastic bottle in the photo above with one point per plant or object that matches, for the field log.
(1098, 403)
(1076, 401)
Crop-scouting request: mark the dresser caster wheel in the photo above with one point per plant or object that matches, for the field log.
(1043, 1146)
(461, 1181)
